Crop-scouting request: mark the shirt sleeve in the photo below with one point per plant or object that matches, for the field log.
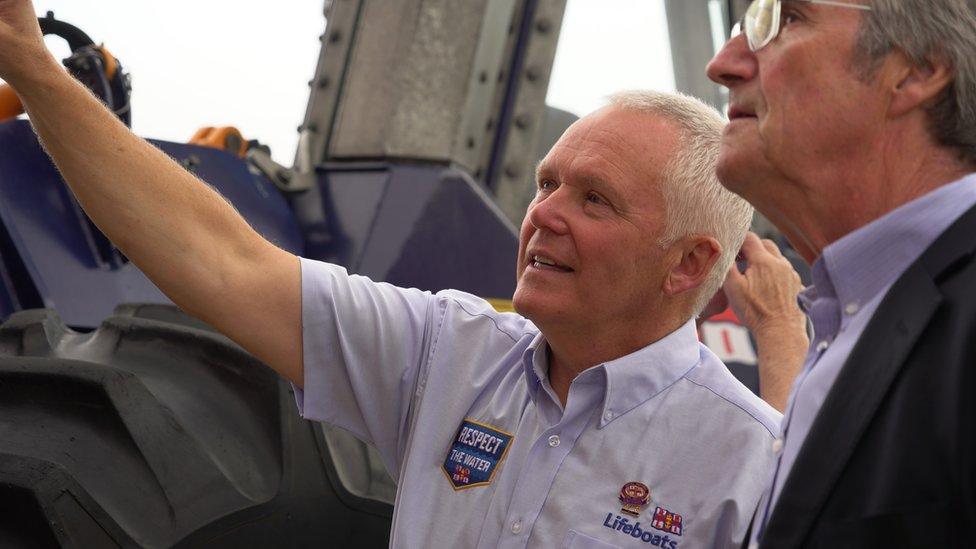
(364, 346)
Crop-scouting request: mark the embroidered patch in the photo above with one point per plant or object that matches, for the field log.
(666, 521)
(623, 525)
(475, 454)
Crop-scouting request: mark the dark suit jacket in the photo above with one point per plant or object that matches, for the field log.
(890, 460)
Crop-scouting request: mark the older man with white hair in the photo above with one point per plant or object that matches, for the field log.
(593, 418)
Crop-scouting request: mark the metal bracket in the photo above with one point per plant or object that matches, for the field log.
(286, 179)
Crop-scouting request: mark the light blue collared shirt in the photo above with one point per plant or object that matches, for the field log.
(426, 378)
(850, 279)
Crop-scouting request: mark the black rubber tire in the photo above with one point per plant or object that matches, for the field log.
(155, 431)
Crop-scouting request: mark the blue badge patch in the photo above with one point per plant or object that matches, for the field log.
(475, 454)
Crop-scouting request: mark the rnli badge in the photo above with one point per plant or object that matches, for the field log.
(667, 521)
(634, 496)
(474, 455)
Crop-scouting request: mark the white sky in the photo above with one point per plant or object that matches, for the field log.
(246, 64)
(607, 46)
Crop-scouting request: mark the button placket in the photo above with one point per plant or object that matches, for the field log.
(546, 455)
(536, 478)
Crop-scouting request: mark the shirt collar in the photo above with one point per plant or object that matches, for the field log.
(819, 302)
(866, 261)
(627, 381)
(819, 288)
(536, 366)
(636, 378)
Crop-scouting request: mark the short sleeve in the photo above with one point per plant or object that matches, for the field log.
(364, 345)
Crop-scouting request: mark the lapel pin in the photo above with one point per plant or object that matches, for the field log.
(634, 496)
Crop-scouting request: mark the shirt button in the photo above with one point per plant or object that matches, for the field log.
(517, 527)
(852, 308)
(822, 346)
(608, 416)
(554, 441)
(777, 445)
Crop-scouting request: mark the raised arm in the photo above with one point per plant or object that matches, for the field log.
(764, 299)
(183, 235)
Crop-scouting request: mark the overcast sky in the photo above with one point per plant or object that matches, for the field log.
(245, 63)
(607, 46)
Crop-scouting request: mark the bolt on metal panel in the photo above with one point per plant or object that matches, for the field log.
(480, 111)
(330, 72)
(512, 174)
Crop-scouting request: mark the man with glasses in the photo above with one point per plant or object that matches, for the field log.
(853, 129)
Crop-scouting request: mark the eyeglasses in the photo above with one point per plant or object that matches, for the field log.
(761, 22)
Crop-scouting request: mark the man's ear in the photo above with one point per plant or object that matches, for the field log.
(914, 86)
(698, 255)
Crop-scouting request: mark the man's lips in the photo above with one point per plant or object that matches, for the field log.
(736, 113)
(545, 262)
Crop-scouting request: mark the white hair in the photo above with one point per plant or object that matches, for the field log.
(694, 200)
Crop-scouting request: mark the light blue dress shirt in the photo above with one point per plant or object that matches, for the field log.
(850, 279)
(456, 398)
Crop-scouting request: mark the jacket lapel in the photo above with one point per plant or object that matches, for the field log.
(862, 384)
(851, 403)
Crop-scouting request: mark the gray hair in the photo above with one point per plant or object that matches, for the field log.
(695, 201)
(927, 30)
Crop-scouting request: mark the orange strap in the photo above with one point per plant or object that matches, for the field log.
(10, 106)
(111, 65)
(227, 138)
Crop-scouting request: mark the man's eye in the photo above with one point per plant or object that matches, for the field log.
(788, 17)
(595, 198)
(547, 185)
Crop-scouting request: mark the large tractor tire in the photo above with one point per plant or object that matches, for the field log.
(155, 431)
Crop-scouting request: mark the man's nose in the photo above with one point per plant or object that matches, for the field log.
(550, 213)
(733, 64)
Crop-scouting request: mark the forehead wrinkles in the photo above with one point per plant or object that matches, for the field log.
(594, 148)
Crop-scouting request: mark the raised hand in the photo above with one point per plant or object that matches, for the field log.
(22, 49)
(764, 299)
